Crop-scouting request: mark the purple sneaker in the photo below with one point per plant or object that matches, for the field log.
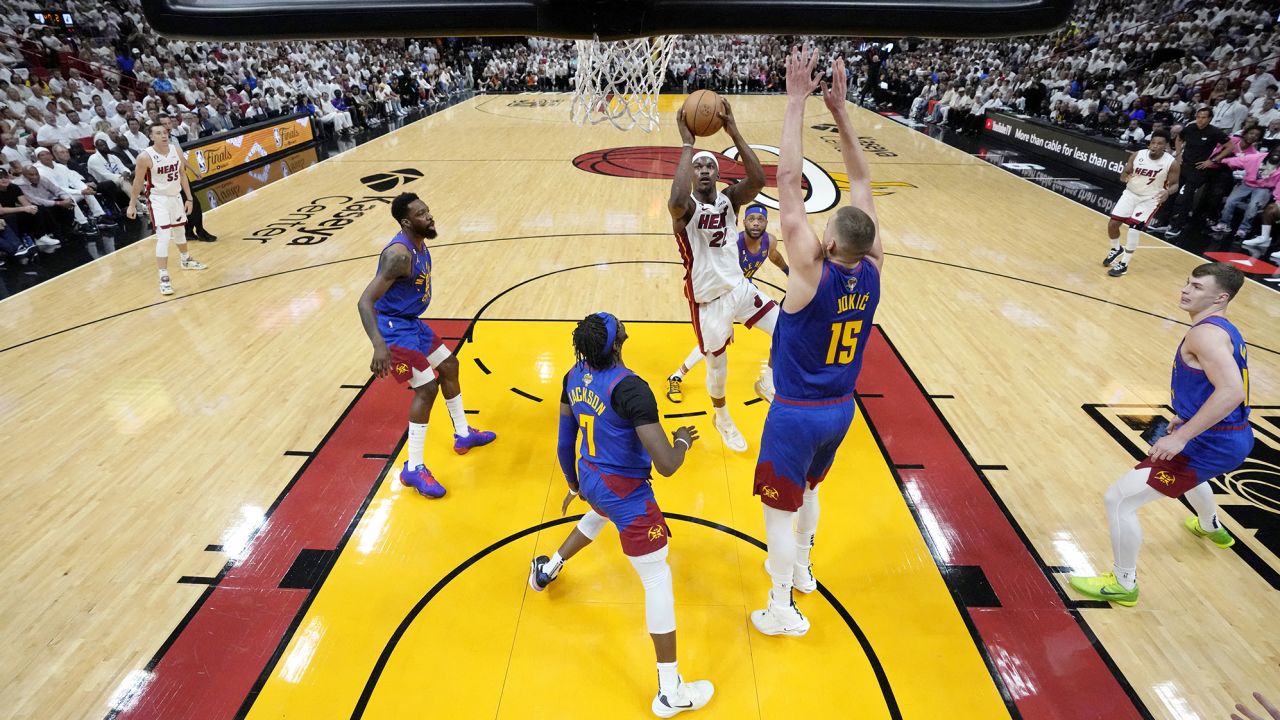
(420, 479)
(473, 439)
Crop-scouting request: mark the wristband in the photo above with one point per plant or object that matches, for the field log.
(688, 145)
(686, 443)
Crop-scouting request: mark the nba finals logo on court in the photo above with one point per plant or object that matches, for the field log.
(659, 163)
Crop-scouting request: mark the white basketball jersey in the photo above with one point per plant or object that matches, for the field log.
(165, 177)
(1149, 176)
(709, 249)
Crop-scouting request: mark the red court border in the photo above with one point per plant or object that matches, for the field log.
(1045, 660)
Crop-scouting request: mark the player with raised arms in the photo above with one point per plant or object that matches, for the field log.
(705, 222)
(832, 293)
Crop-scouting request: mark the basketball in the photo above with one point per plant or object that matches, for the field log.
(702, 113)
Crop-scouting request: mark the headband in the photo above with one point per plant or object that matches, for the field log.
(705, 154)
(756, 210)
(610, 329)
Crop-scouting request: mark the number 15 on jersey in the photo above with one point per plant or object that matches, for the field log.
(844, 342)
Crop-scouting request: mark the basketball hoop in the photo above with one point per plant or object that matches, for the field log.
(619, 82)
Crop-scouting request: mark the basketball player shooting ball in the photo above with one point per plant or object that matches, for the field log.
(719, 294)
(755, 245)
(832, 293)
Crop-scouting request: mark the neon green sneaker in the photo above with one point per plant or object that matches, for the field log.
(1220, 537)
(1105, 587)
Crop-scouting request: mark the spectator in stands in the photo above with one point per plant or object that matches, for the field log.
(76, 131)
(1199, 141)
(72, 185)
(1260, 183)
(1267, 113)
(19, 212)
(56, 208)
(11, 150)
(1229, 113)
(1134, 134)
(110, 172)
(134, 136)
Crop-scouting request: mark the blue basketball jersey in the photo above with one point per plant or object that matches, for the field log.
(817, 352)
(408, 297)
(1189, 387)
(608, 441)
(750, 261)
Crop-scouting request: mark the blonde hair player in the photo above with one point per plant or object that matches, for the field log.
(833, 291)
(755, 245)
(158, 177)
(705, 222)
(1210, 434)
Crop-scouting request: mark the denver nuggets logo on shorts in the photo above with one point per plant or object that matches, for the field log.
(769, 492)
(1165, 477)
(655, 533)
(402, 368)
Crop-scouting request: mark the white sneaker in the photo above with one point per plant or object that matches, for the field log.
(764, 388)
(802, 579)
(165, 287)
(729, 433)
(48, 241)
(688, 696)
(1257, 242)
(1275, 257)
(192, 264)
(775, 620)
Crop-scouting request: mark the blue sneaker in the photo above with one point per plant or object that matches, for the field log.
(473, 439)
(539, 580)
(420, 479)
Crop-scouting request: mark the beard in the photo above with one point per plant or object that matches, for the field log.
(430, 233)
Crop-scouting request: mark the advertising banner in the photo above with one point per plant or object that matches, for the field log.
(1096, 157)
(224, 191)
(208, 158)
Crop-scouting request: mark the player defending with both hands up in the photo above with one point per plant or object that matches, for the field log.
(832, 293)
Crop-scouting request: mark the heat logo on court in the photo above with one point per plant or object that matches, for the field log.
(822, 189)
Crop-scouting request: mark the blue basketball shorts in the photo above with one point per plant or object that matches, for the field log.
(629, 504)
(415, 348)
(798, 446)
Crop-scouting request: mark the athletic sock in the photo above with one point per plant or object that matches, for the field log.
(553, 564)
(186, 256)
(458, 415)
(804, 544)
(722, 413)
(164, 274)
(1266, 232)
(417, 438)
(1127, 577)
(1131, 246)
(1115, 243)
(668, 678)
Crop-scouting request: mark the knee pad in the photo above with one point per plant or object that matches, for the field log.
(162, 243)
(717, 374)
(591, 524)
(659, 594)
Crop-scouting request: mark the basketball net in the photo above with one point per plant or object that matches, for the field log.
(619, 82)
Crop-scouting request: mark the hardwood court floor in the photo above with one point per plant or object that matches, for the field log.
(146, 457)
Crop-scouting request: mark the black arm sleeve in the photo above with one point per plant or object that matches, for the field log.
(634, 401)
(564, 389)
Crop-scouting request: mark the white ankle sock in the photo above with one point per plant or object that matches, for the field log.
(1115, 243)
(458, 415)
(668, 678)
(553, 564)
(1127, 577)
(417, 437)
(722, 413)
